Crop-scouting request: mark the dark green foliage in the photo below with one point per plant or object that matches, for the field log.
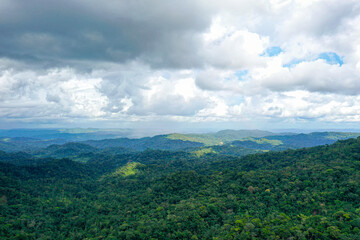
(77, 151)
(293, 141)
(311, 139)
(234, 150)
(236, 134)
(254, 145)
(19, 158)
(14, 157)
(15, 144)
(310, 193)
(157, 142)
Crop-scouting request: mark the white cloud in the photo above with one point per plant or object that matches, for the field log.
(55, 93)
(228, 47)
(322, 17)
(191, 61)
(216, 80)
(313, 76)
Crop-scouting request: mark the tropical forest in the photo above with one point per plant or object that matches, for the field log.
(224, 185)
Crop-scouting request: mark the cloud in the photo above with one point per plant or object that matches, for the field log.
(306, 105)
(192, 61)
(320, 17)
(146, 93)
(314, 76)
(215, 80)
(162, 34)
(227, 47)
(56, 93)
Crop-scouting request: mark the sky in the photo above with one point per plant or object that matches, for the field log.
(275, 64)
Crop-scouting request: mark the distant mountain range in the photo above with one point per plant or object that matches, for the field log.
(67, 135)
(226, 142)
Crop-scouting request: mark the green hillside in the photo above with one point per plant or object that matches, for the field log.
(129, 169)
(220, 137)
(245, 139)
(293, 141)
(157, 142)
(310, 193)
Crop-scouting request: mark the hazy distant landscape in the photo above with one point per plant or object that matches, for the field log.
(43, 140)
(192, 119)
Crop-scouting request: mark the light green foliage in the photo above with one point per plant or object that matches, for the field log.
(341, 135)
(219, 138)
(128, 170)
(263, 141)
(203, 151)
(201, 138)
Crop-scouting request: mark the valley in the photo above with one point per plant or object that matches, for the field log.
(296, 186)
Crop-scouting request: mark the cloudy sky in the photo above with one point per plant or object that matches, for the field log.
(203, 63)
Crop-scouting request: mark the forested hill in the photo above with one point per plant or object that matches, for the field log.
(230, 142)
(310, 193)
(157, 142)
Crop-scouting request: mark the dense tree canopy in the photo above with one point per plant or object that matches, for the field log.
(310, 193)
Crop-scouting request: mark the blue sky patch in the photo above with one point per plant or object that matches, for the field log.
(331, 58)
(236, 99)
(241, 74)
(293, 62)
(272, 51)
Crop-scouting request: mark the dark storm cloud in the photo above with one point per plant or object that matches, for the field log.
(161, 33)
